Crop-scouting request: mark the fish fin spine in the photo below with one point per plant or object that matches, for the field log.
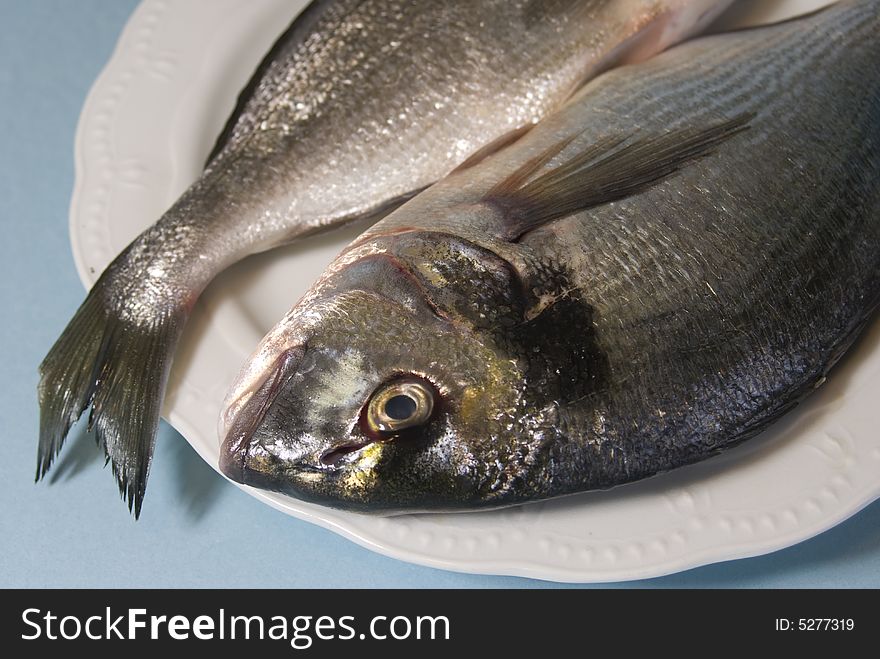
(608, 170)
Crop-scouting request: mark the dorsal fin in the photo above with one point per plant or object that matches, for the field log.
(608, 170)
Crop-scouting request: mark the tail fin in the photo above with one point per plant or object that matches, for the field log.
(119, 369)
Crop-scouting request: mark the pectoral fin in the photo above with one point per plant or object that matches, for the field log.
(606, 171)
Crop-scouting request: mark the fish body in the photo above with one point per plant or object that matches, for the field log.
(360, 104)
(648, 277)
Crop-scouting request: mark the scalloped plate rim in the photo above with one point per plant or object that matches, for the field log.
(115, 74)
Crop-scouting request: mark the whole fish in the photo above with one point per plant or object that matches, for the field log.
(650, 276)
(360, 104)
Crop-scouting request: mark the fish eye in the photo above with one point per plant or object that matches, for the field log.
(400, 405)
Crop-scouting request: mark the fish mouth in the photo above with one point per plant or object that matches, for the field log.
(337, 456)
(262, 451)
(235, 452)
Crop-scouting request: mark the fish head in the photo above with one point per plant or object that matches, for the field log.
(391, 386)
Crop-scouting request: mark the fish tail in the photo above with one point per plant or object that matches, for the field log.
(118, 368)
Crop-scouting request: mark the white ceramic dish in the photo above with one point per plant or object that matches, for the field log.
(144, 132)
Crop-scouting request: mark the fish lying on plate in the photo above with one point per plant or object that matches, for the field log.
(650, 276)
(359, 105)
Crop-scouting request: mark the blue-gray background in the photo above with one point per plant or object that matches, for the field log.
(196, 530)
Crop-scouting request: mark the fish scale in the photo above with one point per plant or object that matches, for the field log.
(358, 106)
(661, 320)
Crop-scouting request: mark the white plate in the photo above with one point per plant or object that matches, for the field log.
(144, 132)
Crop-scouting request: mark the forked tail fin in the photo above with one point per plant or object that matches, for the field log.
(118, 368)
